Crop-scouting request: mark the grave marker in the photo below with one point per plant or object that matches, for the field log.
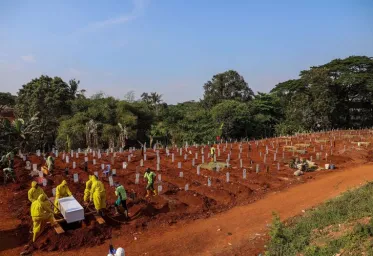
(244, 174)
(227, 176)
(198, 170)
(141, 162)
(95, 173)
(257, 168)
(76, 178)
(159, 189)
(209, 181)
(181, 174)
(67, 159)
(74, 165)
(186, 187)
(111, 182)
(54, 191)
(137, 178)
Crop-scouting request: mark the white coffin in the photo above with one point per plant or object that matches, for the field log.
(70, 209)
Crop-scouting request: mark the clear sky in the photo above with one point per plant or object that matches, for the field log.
(174, 46)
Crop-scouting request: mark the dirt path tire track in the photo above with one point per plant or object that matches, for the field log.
(201, 237)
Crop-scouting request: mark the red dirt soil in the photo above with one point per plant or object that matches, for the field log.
(175, 207)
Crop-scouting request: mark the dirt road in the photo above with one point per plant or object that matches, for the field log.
(229, 233)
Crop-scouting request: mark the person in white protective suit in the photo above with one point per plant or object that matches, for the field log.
(119, 252)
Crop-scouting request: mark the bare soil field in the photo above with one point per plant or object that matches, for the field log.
(174, 206)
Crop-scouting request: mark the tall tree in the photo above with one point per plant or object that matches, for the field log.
(226, 86)
(51, 98)
(235, 117)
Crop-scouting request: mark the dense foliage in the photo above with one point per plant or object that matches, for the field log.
(53, 113)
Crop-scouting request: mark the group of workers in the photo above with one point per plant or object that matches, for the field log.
(41, 207)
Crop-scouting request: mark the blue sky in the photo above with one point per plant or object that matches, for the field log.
(173, 47)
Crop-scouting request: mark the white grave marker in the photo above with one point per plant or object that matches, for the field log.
(227, 176)
(244, 174)
(186, 187)
(181, 174)
(137, 178)
(111, 182)
(76, 178)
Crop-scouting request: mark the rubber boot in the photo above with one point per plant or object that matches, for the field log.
(147, 193)
(155, 192)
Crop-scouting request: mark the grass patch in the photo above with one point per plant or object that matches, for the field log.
(302, 235)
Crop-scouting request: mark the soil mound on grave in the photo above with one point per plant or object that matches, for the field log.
(89, 234)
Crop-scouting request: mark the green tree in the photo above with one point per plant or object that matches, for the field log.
(226, 86)
(51, 98)
(236, 118)
(6, 100)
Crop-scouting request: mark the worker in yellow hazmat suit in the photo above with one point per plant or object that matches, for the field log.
(87, 190)
(41, 213)
(35, 191)
(62, 191)
(98, 195)
(212, 153)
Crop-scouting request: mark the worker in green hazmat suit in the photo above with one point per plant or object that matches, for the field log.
(35, 191)
(87, 190)
(150, 177)
(120, 192)
(62, 191)
(41, 213)
(50, 164)
(98, 195)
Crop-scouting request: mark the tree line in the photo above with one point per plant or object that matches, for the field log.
(53, 113)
